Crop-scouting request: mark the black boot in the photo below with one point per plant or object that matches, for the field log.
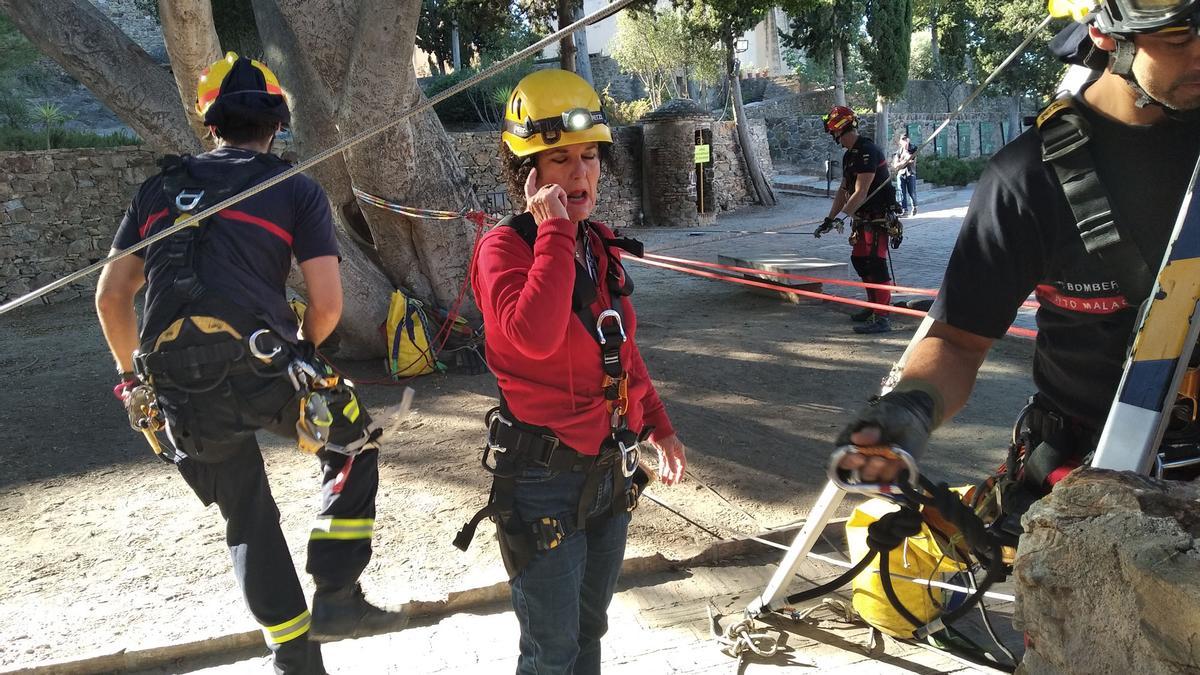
(344, 613)
(864, 315)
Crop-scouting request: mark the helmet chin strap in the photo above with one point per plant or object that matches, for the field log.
(1122, 64)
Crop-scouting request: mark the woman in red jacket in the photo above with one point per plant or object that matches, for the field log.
(576, 399)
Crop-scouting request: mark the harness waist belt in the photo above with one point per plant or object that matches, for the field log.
(524, 445)
(235, 353)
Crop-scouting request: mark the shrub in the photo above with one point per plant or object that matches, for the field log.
(623, 113)
(31, 139)
(950, 170)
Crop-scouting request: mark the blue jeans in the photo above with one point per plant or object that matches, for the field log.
(561, 598)
(907, 187)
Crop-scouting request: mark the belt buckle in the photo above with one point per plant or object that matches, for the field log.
(554, 443)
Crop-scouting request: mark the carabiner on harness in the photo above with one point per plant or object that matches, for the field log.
(602, 319)
(257, 352)
(188, 199)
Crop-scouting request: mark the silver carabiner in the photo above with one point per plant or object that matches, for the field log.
(609, 314)
(252, 343)
(187, 200)
(629, 458)
(855, 482)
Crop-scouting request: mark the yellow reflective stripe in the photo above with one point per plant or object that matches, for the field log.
(342, 528)
(351, 409)
(288, 630)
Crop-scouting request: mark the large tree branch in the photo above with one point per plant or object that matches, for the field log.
(97, 54)
(192, 45)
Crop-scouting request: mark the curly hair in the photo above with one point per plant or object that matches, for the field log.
(514, 171)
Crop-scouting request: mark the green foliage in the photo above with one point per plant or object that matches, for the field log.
(477, 22)
(14, 111)
(661, 45)
(623, 113)
(818, 27)
(889, 23)
(30, 139)
(484, 103)
(15, 51)
(999, 28)
(236, 27)
(950, 170)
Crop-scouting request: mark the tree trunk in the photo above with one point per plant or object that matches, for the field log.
(839, 75)
(95, 52)
(1014, 118)
(192, 45)
(882, 135)
(935, 52)
(583, 58)
(304, 48)
(566, 46)
(455, 49)
(762, 190)
(414, 163)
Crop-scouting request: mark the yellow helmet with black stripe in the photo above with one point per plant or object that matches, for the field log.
(553, 108)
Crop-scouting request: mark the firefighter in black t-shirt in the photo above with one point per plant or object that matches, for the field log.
(219, 356)
(1022, 235)
(868, 197)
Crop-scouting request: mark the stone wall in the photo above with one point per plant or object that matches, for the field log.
(800, 140)
(59, 210)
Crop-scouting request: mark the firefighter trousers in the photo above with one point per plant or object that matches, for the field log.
(230, 473)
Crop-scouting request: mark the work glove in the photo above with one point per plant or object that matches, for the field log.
(904, 418)
(827, 226)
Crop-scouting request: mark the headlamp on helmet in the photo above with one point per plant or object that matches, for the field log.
(553, 108)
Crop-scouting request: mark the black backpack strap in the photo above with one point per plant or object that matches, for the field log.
(185, 193)
(1065, 137)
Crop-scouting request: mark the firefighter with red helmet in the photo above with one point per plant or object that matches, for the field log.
(219, 355)
(868, 197)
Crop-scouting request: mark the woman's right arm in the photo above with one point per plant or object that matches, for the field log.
(527, 294)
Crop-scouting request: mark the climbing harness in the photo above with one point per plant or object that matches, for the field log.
(1066, 148)
(515, 446)
(604, 12)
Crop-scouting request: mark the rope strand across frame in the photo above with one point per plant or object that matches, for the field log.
(486, 73)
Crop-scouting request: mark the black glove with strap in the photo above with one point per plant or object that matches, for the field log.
(827, 226)
(904, 418)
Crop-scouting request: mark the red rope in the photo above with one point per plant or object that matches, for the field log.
(800, 277)
(482, 221)
(1015, 330)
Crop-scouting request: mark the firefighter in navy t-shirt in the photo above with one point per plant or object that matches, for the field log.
(1021, 236)
(221, 351)
(868, 197)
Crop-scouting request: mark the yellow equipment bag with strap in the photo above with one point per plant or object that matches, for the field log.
(410, 352)
(920, 557)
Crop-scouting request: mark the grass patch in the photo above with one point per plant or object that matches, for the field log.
(35, 139)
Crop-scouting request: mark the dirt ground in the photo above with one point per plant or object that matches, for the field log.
(105, 548)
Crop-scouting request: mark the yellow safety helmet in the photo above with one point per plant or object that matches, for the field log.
(550, 109)
(240, 87)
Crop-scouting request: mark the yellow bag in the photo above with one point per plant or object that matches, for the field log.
(408, 339)
(920, 557)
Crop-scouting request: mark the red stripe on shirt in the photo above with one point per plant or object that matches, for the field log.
(255, 220)
(154, 218)
(1105, 305)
